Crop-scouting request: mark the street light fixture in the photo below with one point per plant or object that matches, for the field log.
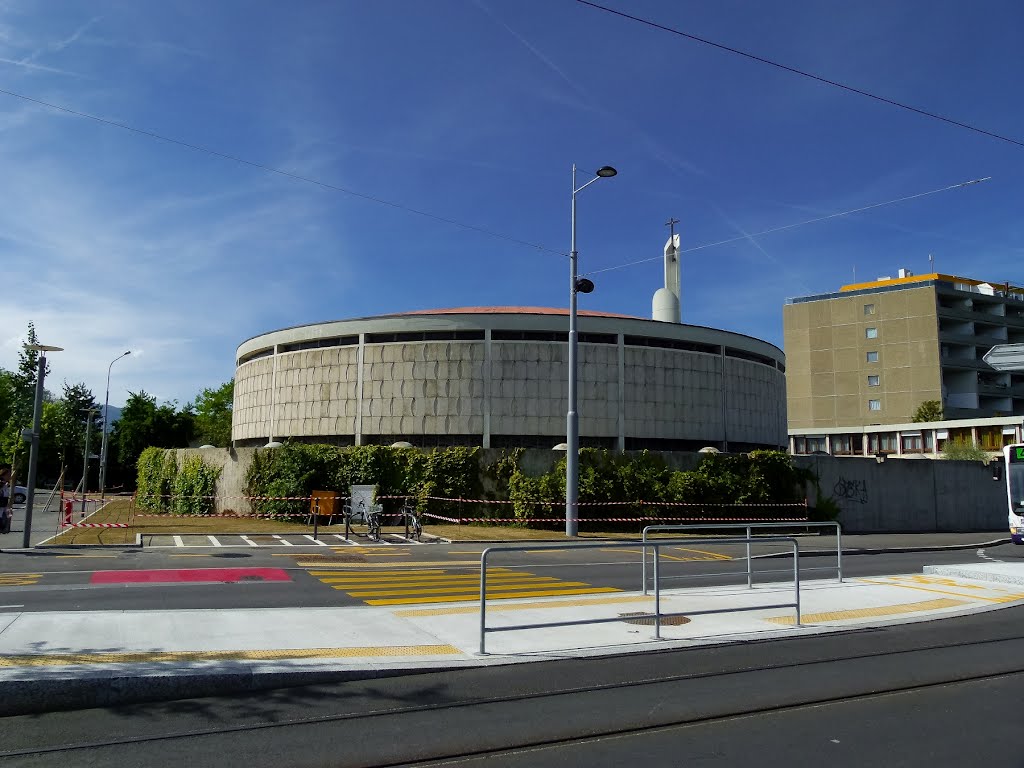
(106, 430)
(33, 436)
(572, 423)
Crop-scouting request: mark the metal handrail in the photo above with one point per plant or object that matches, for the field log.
(748, 527)
(657, 615)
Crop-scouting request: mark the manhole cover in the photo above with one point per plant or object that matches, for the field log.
(646, 618)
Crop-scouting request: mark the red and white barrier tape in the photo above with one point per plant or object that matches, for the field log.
(560, 503)
(557, 503)
(462, 520)
(94, 525)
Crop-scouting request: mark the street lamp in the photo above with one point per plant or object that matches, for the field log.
(33, 437)
(572, 422)
(85, 461)
(106, 424)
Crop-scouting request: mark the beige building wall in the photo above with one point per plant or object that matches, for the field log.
(509, 387)
(828, 344)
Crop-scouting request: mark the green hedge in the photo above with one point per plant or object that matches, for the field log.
(163, 486)
(612, 485)
(616, 483)
(277, 475)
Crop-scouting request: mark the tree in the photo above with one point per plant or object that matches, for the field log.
(929, 410)
(213, 414)
(17, 399)
(144, 424)
(79, 412)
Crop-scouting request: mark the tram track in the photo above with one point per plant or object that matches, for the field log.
(448, 718)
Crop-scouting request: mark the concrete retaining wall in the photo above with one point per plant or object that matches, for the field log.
(911, 495)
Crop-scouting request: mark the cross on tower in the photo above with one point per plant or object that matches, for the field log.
(671, 224)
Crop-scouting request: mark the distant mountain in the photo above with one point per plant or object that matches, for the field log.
(115, 413)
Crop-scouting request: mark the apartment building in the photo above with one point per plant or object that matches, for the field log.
(871, 353)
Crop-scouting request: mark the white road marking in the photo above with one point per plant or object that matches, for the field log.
(178, 542)
(213, 540)
(985, 556)
(282, 540)
(315, 541)
(248, 541)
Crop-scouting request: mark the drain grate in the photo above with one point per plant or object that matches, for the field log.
(648, 620)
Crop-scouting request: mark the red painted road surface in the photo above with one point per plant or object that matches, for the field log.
(192, 575)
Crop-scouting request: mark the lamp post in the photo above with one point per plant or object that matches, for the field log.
(85, 460)
(572, 422)
(106, 425)
(33, 437)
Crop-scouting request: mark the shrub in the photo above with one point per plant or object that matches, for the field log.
(962, 449)
(195, 486)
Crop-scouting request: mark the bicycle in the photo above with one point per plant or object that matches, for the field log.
(414, 528)
(373, 523)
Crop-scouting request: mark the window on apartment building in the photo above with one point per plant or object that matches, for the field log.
(887, 441)
(873, 381)
(871, 333)
(872, 357)
(869, 309)
(874, 405)
(841, 445)
(816, 444)
(912, 442)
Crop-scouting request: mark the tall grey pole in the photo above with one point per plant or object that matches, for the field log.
(572, 424)
(106, 424)
(33, 456)
(85, 463)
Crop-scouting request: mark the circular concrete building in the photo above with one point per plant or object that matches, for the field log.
(497, 377)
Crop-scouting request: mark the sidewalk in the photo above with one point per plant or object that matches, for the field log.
(63, 660)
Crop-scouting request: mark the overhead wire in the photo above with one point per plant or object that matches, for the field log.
(280, 172)
(793, 226)
(802, 73)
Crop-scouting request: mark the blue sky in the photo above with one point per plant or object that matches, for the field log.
(475, 111)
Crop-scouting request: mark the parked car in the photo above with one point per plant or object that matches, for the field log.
(20, 494)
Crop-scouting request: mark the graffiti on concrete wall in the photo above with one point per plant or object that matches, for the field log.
(854, 491)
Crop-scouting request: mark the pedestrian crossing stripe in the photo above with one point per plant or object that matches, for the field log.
(490, 596)
(19, 579)
(388, 587)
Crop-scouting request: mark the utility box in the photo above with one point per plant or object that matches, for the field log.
(325, 503)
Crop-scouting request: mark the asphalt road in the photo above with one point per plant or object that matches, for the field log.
(66, 580)
(935, 694)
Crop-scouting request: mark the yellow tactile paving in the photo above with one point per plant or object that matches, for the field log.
(149, 657)
(463, 609)
(915, 582)
(868, 613)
